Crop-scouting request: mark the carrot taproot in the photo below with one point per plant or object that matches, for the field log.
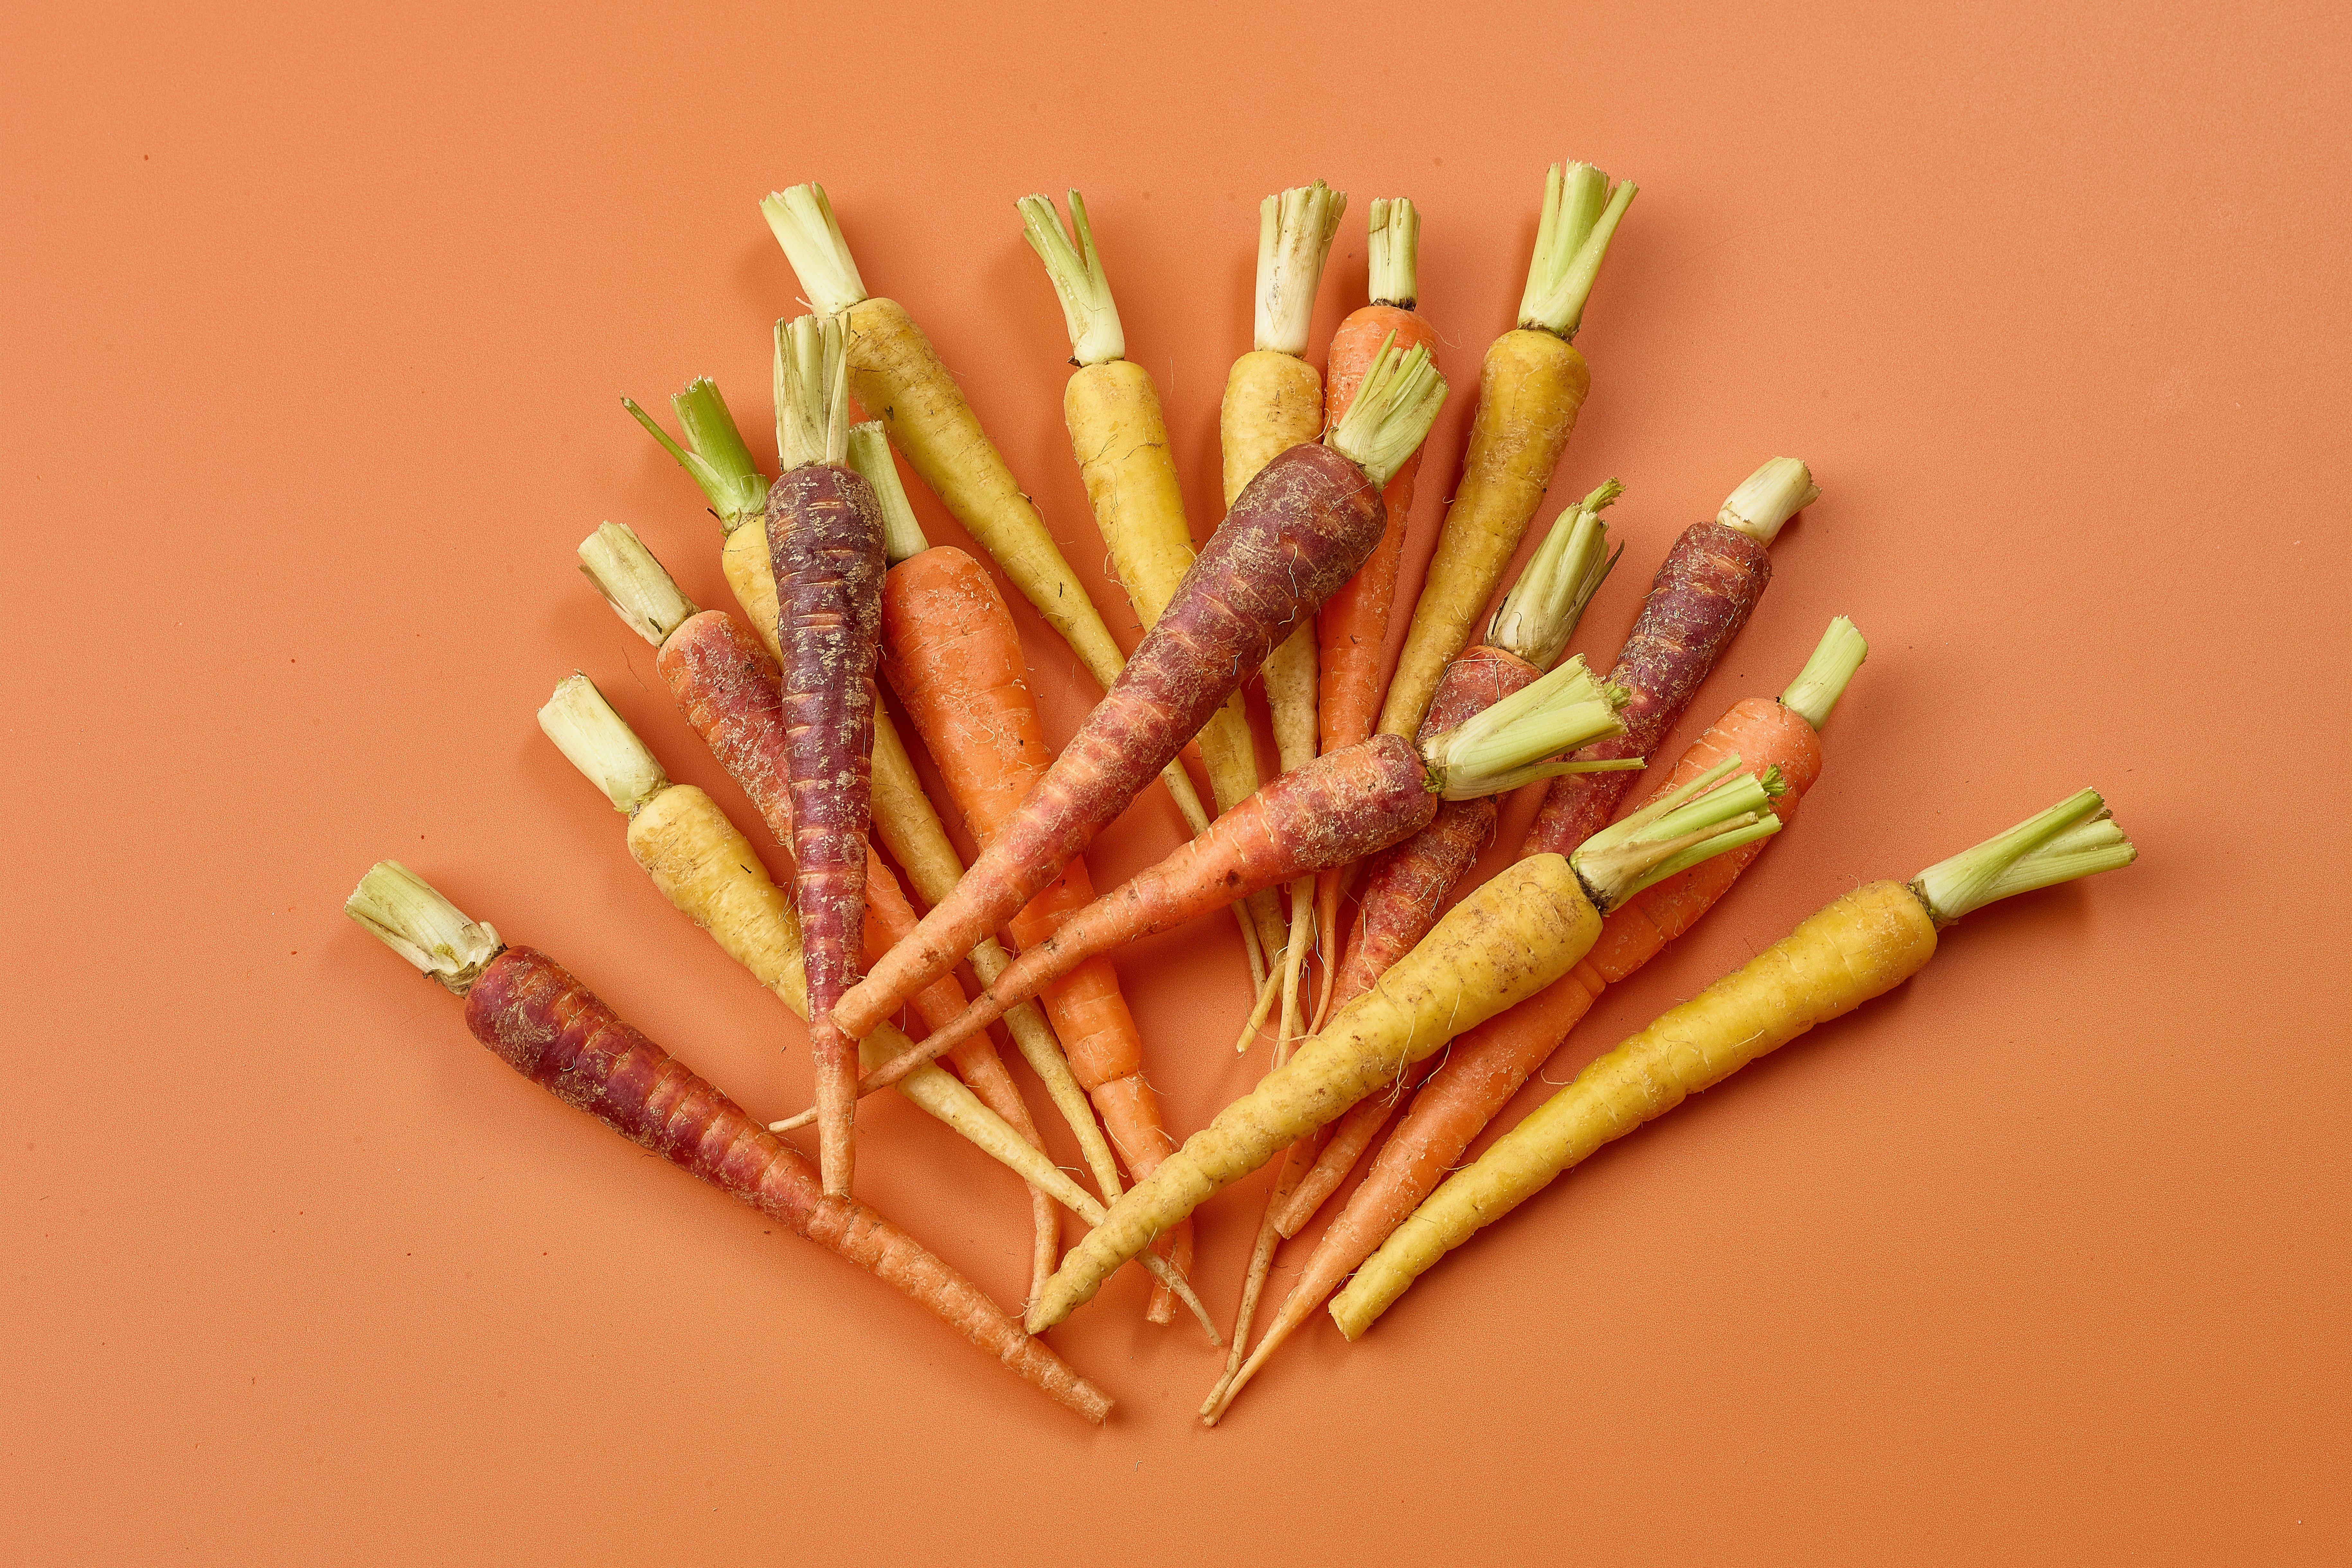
(1860, 946)
(1351, 629)
(715, 457)
(1119, 437)
(1706, 587)
(708, 870)
(900, 379)
(1531, 387)
(1336, 809)
(551, 1028)
(1486, 1067)
(1303, 526)
(952, 654)
(731, 691)
(1507, 941)
(1273, 401)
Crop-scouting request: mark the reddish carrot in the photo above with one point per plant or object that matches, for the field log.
(953, 656)
(824, 539)
(1300, 529)
(1352, 628)
(1335, 810)
(1488, 1066)
(1711, 579)
(731, 690)
(552, 1029)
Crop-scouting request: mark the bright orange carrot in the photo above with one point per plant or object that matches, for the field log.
(1487, 1065)
(1352, 628)
(952, 652)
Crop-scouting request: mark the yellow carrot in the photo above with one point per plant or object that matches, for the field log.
(1862, 945)
(1505, 942)
(709, 872)
(1529, 391)
(900, 379)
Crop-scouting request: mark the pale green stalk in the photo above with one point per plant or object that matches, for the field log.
(1393, 410)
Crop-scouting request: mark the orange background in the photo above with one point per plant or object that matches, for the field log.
(317, 321)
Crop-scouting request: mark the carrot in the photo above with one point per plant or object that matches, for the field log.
(1863, 944)
(1305, 524)
(953, 656)
(825, 546)
(1505, 942)
(1335, 810)
(1484, 1068)
(715, 455)
(708, 870)
(1352, 626)
(1709, 582)
(900, 379)
(1529, 390)
(731, 692)
(552, 1029)
(1120, 438)
(1273, 401)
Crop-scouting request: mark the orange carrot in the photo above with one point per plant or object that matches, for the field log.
(1487, 1066)
(952, 652)
(1352, 628)
(554, 1031)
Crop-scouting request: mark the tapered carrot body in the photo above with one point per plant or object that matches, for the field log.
(1704, 591)
(953, 656)
(824, 539)
(1305, 524)
(555, 1032)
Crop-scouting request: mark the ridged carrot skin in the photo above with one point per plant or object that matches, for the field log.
(1704, 591)
(730, 688)
(825, 542)
(1301, 529)
(555, 1032)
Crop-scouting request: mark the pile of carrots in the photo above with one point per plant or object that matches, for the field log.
(1398, 1034)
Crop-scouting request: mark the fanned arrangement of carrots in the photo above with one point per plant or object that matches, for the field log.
(1398, 1036)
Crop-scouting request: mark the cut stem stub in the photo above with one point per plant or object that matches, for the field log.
(1393, 410)
(1539, 614)
(1087, 309)
(2076, 838)
(802, 220)
(600, 744)
(714, 452)
(812, 393)
(1770, 497)
(1823, 679)
(1710, 815)
(869, 454)
(1392, 250)
(1501, 747)
(1294, 236)
(620, 568)
(416, 921)
(1580, 214)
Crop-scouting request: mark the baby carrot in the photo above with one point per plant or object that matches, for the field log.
(552, 1030)
(1862, 945)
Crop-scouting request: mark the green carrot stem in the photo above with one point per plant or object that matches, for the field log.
(714, 452)
(1294, 236)
(1393, 410)
(869, 454)
(1539, 614)
(1499, 747)
(616, 562)
(416, 921)
(1714, 813)
(1392, 245)
(2076, 838)
(812, 393)
(600, 744)
(1822, 682)
(1580, 213)
(1077, 270)
(802, 220)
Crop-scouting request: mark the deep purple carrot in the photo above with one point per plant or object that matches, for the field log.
(552, 1030)
(1298, 532)
(1710, 580)
(824, 541)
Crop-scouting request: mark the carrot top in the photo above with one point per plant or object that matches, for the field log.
(714, 452)
(1770, 497)
(620, 568)
(1391, 247)
(600, 744)
(869, 454)
(1822, 682)
(417, 923)
(2076, 838)
(812, 393)
(1714, 813)
(1392, 414)
(1539, 614)
(1500, 747)
(802, 220)
(1294, 236)
(1077, 272)
(1580, 213)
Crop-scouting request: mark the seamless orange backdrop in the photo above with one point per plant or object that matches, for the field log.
(317, 321)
